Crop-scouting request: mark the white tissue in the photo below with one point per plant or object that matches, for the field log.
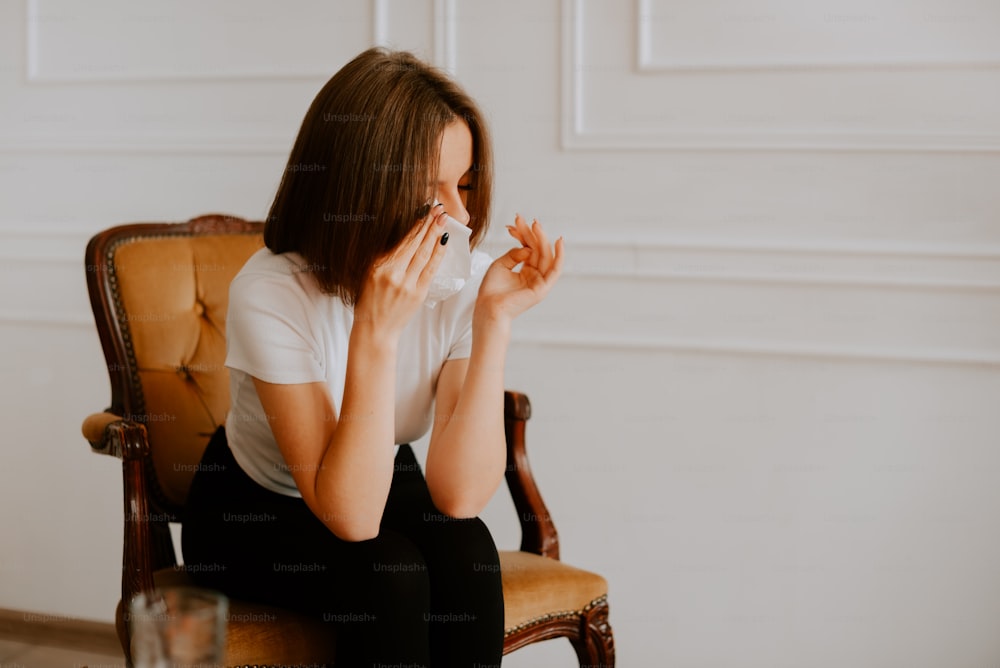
(456, 266)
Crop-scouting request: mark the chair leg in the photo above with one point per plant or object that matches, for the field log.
(595, 648)
(121, 628)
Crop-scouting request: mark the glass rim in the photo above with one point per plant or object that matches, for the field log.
(169, 601)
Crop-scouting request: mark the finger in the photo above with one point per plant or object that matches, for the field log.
(542, 282)
(430, 268)
(429, 245)
(528, 239)
(544, 248)
(515, 233)
(516, 230)
(538, 256)
(557, 262)
(513, 257)
(405, 250)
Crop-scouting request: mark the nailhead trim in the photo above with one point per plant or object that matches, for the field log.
(555, 616)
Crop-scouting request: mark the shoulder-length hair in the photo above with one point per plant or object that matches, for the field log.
(367, 153)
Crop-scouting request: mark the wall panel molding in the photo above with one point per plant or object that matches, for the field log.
(660, 257)
(43, 27)
(648, 62)
(150, 145)
(444, 52)
(577, 134)
(380, 22)
(856, 265)
(650, 259)
(42, 318)
(631, 343)
(443, 49)
(31, 244)
(746, 348)
(445, 35)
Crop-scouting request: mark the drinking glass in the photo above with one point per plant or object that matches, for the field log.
(178, 627)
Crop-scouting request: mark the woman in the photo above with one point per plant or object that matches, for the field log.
(336, 354)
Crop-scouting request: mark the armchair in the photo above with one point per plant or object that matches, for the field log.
(159, 294)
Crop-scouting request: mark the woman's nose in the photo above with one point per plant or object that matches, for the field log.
(456, 209)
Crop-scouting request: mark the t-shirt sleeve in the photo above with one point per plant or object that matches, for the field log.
(461, 347)
(271, 331)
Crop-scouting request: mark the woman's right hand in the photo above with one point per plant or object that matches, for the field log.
(398, 281)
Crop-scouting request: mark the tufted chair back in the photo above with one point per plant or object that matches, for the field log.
(159, 294)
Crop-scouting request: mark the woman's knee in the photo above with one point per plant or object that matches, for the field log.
(394, 571)
(469, 536)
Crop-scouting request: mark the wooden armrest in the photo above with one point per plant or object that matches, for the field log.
(110, 434)
(93, 429)
(127, 440)
(538, 531)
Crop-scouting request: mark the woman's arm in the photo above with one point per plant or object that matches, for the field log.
(342, 462)
(467, 453)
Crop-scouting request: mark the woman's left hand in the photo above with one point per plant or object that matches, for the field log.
(506, 293)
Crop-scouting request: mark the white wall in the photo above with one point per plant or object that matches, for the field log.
(765, 391)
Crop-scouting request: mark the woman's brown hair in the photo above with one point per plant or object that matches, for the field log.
(358, 175)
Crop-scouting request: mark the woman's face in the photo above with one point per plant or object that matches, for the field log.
(455, 170)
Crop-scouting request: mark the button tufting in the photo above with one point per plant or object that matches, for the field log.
(199, 308)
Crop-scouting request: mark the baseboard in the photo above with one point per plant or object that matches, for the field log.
(39, 628)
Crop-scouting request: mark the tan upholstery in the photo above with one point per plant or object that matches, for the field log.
(535, 587)
(174, 292)
(94, 425)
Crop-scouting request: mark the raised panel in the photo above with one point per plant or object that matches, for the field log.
(615, 98)
(267, 62)
(777, 34)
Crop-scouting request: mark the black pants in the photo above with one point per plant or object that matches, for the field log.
(425, 592)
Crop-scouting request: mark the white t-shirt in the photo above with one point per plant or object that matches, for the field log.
(282, 329)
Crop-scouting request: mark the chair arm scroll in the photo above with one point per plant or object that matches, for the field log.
(111, 434)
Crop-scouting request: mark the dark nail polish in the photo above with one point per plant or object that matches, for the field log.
(444, 238)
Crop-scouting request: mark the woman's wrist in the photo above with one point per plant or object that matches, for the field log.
(491, 323)
(365, 333)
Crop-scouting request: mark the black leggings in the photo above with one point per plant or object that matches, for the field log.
(425, 592)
